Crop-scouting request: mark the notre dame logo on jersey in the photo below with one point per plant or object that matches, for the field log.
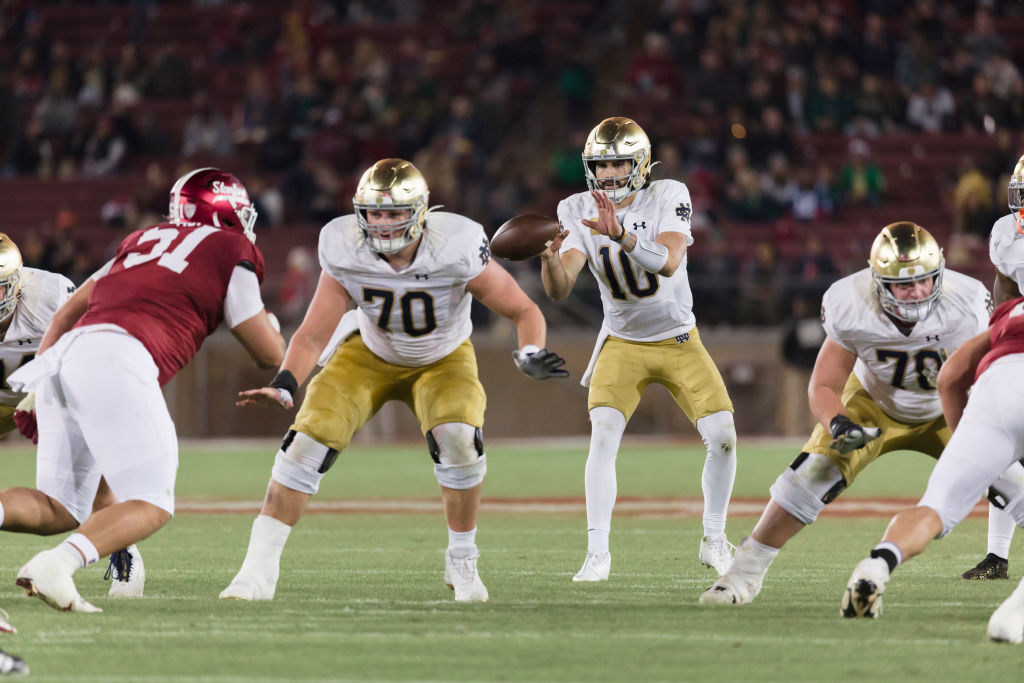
(684, 211)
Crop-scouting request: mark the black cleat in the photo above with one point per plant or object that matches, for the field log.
(992, 567)
(11, 665)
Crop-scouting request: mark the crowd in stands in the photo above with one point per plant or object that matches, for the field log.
(493, 99)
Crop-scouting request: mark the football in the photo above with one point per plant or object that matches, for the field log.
(524, 236)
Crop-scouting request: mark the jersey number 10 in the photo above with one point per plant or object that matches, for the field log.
(630, 276)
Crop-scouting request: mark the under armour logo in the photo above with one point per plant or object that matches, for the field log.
(24, 341)
(929, 337)
(643, 224)
(685, 337)
(422, 276)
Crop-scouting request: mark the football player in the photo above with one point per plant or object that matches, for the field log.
(889, 329)
(97, 377)
(29, 300)
(411, 272)
(633, 234)
(1006, 250)
(988, 438)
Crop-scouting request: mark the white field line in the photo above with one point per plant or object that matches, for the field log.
(656, 507)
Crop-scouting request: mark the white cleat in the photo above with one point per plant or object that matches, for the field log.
(127, 573)
(246, 587)
(596, 567)
(5, 624)
(461, 576)
(716, 554)
(1006, 625)
(48, 577)
(863, 595)
(730, 589)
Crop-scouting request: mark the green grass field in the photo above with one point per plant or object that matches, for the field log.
(361, 595)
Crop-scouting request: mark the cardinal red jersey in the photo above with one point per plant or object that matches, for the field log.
(1006, 333)
(166, 288)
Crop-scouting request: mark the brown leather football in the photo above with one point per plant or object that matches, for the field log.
(524, 236)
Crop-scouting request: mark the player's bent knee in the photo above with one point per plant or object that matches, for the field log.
(718, 431)
(810, 483)
(457, 450)
(301, 462)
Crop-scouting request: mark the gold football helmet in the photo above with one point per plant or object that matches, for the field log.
(10, 276)
(905, 252)
(614, 139)
(392, 185)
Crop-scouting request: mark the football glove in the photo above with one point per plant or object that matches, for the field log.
(539, 363)
(25, 418)
(848, 436)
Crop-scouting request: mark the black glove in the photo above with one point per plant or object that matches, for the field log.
(848, 436)
(539, 363)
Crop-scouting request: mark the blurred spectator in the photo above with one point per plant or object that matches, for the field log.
(761, 278)
(297, 286)
(802, 337)
(972, 202)
(930, 108)
(872, 109)
(713, 275)
(151, 196)
(169, 74)
(746, 202)
(861, 181)
(771, 137)
(652, 70)
(104, 150)
(982, 110)
(829, 109)
(876, 51)
(31, 154)
(254, 115)
(1003, 75)
(206, 132)
(983, 40)
(778, 183)
(57, 108)
(813, 271)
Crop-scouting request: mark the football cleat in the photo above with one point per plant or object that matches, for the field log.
(127, 573)
(12, 665)
(716, 554)
(992, 567)
(1006, 625)
(48, 577)
(596, 567)
(5, 624)
(863, 595)
(461, 576)
(246, 587)
(730, 589)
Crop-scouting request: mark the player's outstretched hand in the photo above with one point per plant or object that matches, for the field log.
(265, 396)
(848, 436)
(607, 223)
(25, 418)
(539, 363)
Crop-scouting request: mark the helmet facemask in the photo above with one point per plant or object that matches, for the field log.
(10, 276)
(909, 310)
(390, 238)
(1015, 194)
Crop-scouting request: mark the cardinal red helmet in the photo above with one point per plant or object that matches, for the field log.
(210, 196)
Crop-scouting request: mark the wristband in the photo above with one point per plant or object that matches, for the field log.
(622, 236)
(285, 380)
(649, 255)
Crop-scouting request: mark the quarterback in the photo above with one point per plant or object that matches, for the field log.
(411, 273)
(633, 234)
(97, 377)
(1006, 250)
(889, 329)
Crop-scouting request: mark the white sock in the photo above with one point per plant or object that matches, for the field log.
(753, 559)
(462, 543)
(607, 425)
(719, 435)
(1000, 531)
(266, 543)
(81, 548)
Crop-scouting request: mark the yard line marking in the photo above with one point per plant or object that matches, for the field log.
(632, 507)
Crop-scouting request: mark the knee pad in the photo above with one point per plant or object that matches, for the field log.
(301, 462)
(719, 432)
(458, 453)
(808, 485)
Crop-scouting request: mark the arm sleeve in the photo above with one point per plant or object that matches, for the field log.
(243, 299)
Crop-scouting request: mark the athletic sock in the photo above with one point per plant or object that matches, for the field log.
(1000, 532)
(597, 541)
(81, 549)
(890, 552)
(607, 425)
(753, 559)
(266, 543)
(462, 543)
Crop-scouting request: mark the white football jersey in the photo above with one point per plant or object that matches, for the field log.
(420, 314)
(899, 371)
(638, 306)
(42, 293)
(1006, 249)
